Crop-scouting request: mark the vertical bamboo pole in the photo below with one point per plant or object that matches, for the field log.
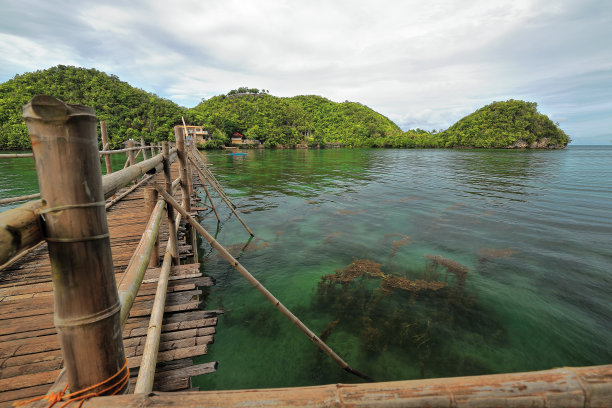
(131, 155)
(150, 197)
(144, 148)
(172, 239)
(179, 135)
(87, 305)
(106, 146)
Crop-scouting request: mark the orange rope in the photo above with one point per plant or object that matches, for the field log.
(55, 397)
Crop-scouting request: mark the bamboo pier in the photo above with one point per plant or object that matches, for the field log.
(100, 291)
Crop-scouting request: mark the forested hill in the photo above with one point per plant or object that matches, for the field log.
(290, 121)
(128, 111)
(275, 121)
(505, 124)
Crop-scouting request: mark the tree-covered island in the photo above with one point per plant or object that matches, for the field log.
(305, 120)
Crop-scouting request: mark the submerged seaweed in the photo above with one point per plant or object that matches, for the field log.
(416, 315)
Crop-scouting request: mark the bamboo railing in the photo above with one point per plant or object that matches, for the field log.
(583, 386)
(19, 228)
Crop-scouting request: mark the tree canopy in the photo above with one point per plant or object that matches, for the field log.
(512, 123)
(290, 121)
(129, 112)
(307, 119)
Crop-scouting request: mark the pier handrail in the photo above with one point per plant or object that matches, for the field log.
(587, 387)
(19, 227)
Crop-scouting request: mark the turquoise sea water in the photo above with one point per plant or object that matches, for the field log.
(533, 229)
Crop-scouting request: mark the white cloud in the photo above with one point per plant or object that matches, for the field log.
(420, 63)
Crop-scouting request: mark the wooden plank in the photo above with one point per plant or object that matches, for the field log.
(170, 355)
(23, 394)
(175, 380)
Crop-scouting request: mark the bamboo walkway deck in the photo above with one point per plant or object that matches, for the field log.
(30, 355)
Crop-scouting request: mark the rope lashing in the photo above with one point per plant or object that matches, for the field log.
(84, 394)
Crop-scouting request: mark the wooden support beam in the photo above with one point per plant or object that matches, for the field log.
(144, 148)
(229, 204)
(584, 387)
(87, 304)
(131, 154)
(106, 146)
(172, 238)
(150, 197)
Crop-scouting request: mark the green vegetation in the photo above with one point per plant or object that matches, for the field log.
(129, 112)
(311, 120)
(503, 124)
(302, 120)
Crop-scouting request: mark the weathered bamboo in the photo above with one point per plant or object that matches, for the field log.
(188, 149)
(19, 229)
(172, 238)
(106, 146)
(584, 387)
(207, 193)
(182, 151)
(17, 199)
(86, 300)
(107, 152)
(128, 191)
(214, 182)
(144, 148)
(146, 372)
(15, 155)
(150, 198)
(113, 182)
(134, 273)
(269, 296)
(182, 161)
(131, 154)
(20, 255)
(226, 202)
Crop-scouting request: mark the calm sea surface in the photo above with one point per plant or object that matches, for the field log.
(521, 241)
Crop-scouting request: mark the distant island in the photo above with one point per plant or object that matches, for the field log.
(300, 121)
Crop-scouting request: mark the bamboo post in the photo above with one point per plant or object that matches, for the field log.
(179, 135)
(228, 204)
(106, 146)
(144, 148)
(146, 372)
(268, 295)
(131, 156)
(150, 197)
(87, 305)
(182, 152)
(172, 238)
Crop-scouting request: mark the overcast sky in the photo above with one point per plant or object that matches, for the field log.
(421, 63)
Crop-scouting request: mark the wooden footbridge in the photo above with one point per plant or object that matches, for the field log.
(100, 292)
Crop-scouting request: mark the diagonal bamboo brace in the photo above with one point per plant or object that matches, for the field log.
(244, 272)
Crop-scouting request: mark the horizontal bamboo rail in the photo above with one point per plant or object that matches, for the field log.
(102, 152)
(16, 155)
(584, 387)
(19, 227)
(17, 199)
(127, 149)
